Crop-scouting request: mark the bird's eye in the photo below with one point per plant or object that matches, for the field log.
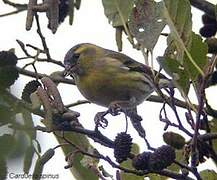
(75, 56)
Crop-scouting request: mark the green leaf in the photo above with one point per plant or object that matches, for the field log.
(135, 148)
(180, 31)
(179, 157)
(41, 161)
(117, 11)
(88, 161)
(208, 174)
(28, 122)
(78, 170)
(146, 23)
(20, 144)
(177, 14)
(177, 72)
(128, 176)
(180, 13)
(37, 170)
(7, 142)
(198, 50)
(156, 177)
(128, 164)
(28, 159)
(6, 115)
(3, 168)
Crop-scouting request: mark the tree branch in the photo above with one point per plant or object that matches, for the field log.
(19, 8)
(55, 79)
(207, 136)
(15, 5)
(179, 103)
(46, 49)
(20, 104)
(12, 12)
(204, 6)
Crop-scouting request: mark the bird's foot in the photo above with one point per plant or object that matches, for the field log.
(100, 120)
(114, 109)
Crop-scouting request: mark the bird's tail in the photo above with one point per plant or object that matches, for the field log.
(136, 121)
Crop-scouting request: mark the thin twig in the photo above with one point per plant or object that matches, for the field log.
(60, 145)
(15, 5)
(126, 170)
(35, 48)
(179, 103)
(55, 79)
(43, 40)
(33, 62)
(77, 103)
(23, 47)
(201, 96)
(51, 61)
(181, 127)
(19, 8)
(12, 13)
(165, 119)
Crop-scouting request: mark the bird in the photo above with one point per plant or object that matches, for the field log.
(109, 78)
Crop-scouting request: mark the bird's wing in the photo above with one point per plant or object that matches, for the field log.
(132, 64)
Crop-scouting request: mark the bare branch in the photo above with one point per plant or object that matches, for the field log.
(16, 5)
(208, 136)
(204, 6)
(46, 49)
(55, 79)
(77, 103)
(11, 13)
(19, 8)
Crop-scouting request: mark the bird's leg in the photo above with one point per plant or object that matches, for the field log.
(115, 107)
(132, 113)
(127, 107)
(100, 119)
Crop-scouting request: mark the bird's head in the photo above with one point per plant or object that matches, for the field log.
(81, 55)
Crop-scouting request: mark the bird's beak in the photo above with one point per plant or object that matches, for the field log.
(69, 69)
